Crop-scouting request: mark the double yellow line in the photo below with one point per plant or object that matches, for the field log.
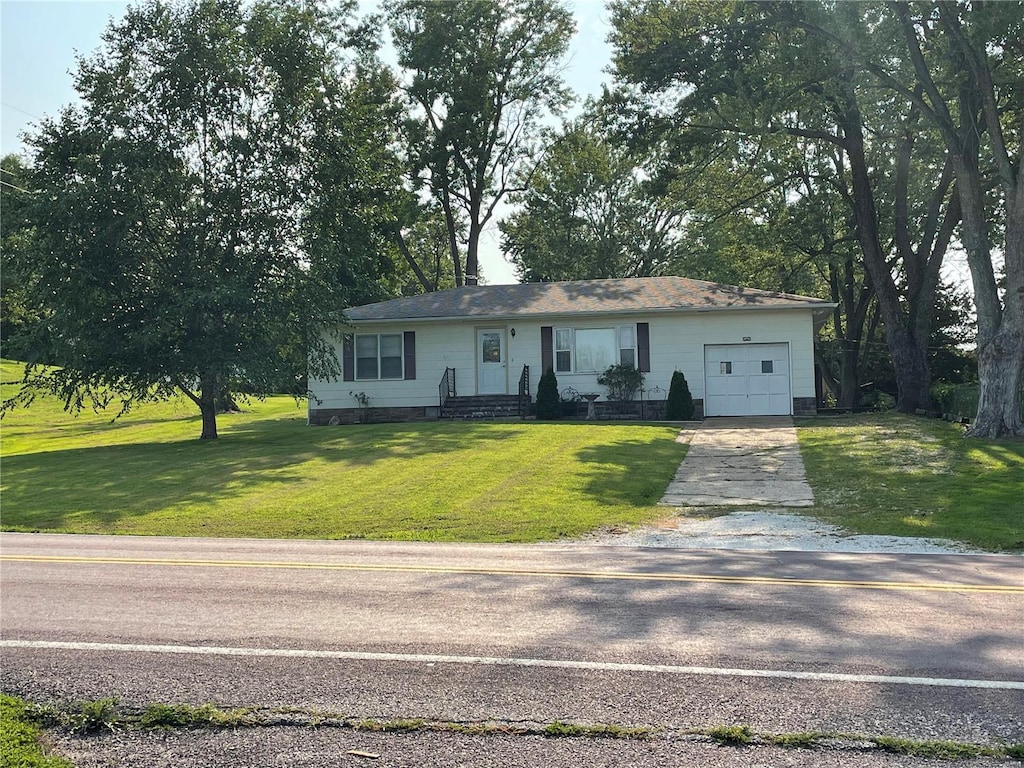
(527, 573)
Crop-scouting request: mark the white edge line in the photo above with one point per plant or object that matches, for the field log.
(1008, 685)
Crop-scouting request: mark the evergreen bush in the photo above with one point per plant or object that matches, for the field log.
(549, 404)
(679, 406)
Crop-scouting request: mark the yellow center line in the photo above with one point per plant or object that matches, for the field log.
(524, 572)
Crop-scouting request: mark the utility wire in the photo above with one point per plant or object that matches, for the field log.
(19, 109)
(14, 186)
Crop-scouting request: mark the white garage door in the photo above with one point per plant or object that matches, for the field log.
(747, 380)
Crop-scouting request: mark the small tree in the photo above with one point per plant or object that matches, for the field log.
(680, 402)
(548, 403)
(622, 381)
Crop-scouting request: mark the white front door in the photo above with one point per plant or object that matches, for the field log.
(747, 380)
(491, 369)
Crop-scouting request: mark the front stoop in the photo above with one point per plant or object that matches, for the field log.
(482, 407)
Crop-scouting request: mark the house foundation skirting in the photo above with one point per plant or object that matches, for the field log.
(322, 417)
(805, 406)
(649, 410)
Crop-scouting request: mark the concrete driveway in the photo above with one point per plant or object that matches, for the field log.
(741, 462)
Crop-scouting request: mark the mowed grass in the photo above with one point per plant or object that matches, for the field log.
(908, 476)
(272, 476)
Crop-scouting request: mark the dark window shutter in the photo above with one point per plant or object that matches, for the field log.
(643, 347)
(547, 346)
(348, 358)
(409, 342)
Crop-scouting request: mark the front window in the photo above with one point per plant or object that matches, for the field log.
(378, 356)
(594, 350)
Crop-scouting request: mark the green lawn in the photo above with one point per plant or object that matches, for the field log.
(21, 740)
(272, 476)
(910, 476)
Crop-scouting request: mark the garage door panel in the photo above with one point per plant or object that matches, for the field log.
(736, 385)
(747, 380)
(758, 385)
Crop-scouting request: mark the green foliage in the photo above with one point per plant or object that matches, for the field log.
(962, 399)
(221, 192)
(390, 726)
(548, 401)
(732, 735)
(622, 381)
(679, 406)
(558, 729)
(942, 750)
(20, 746)
(588, 213)
(91, 716)
(167, 716)
(803, 740)
(16, 240)
(477, 124)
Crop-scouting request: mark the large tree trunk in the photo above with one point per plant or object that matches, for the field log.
(1001, 346)
(999, 370)
(909, 353)
(208, 391)
(849, 376)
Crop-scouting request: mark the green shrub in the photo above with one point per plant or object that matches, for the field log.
(680, 402)
(961, 399)
(622, 382)
(549, 404)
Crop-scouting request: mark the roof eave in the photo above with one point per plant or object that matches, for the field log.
(816, 308)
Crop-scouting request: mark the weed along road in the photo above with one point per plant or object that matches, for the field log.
(513, 640)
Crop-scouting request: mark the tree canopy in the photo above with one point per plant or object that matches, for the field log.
(480, 78)
(885, 105)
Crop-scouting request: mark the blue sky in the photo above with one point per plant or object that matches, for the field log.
(39, 40)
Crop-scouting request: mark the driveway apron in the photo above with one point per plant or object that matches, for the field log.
(741, 461)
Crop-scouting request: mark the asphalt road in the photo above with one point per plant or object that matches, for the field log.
(919, 647)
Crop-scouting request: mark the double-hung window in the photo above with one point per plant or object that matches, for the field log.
(563, 350)
(378, 356)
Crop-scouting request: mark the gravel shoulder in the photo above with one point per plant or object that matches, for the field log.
(763, 530)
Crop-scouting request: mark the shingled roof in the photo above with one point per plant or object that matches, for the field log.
(581, 297)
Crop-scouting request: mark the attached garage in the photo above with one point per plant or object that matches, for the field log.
(747, 380)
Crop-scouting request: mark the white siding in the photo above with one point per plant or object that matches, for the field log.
(677, 342)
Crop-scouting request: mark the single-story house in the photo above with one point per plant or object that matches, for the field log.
(743, 351)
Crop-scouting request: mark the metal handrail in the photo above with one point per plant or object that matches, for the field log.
(446, 388)
(524, 392)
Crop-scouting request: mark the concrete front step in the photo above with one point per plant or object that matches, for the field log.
(481, 407)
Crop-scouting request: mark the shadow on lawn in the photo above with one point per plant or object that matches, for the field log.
(104, 484)
(633, 472)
